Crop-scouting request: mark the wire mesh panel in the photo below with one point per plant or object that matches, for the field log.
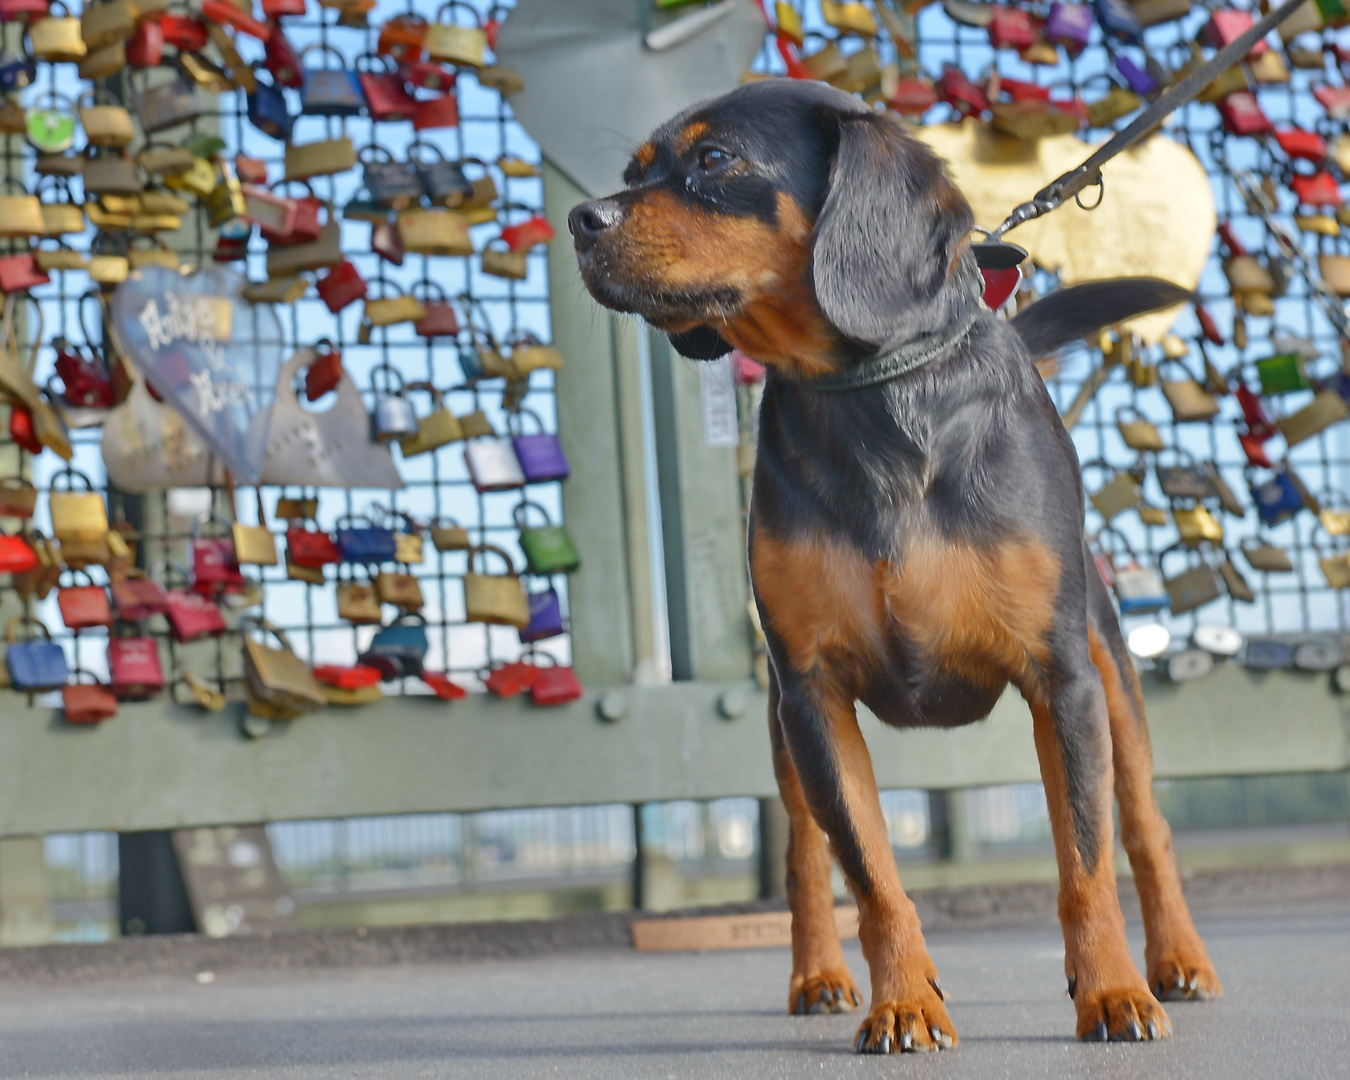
(1278, 202)
(499, 304)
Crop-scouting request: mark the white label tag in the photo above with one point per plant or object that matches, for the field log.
(718, 391)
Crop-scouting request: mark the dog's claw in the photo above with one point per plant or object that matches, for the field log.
(1100, 1034)
(1133, 1032)
(1152, 1030)
(937, 989)
(857, 998)
(1073, 986)
(907, 1041)
(800, 1010)
(885, 1044)
(858, 1045)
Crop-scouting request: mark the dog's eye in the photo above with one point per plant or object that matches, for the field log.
(711, 158)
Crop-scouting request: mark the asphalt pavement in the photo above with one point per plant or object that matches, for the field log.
(615, 1013)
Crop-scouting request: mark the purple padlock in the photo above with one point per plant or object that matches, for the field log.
(1069, 25)
(1138, 80)
(546, 619)
(541, 455)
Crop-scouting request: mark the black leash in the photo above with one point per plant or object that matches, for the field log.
(1089, 174)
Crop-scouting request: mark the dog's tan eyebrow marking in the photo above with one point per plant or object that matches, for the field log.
(691, 133)
(644, 155)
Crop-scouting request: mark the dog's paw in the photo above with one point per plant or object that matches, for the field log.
(919, 1022)
(825, 991)
(1184, 974)
(1124, 1014)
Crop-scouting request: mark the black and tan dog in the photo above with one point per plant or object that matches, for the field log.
(916, 524)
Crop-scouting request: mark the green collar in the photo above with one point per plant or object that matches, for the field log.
(883, 367)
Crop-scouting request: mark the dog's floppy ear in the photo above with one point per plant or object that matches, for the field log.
(700, 343)
(891, 257)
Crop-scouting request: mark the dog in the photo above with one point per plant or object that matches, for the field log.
(916, 525)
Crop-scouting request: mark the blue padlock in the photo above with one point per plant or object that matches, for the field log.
(35, 664)
(397, 650)
(546, 619)
(1117, 18)
(330, 91)
(366, 544)
(1276, 499)
(1136, 78)
(267, 112)
(16, 74)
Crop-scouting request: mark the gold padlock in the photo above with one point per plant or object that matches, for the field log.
(78, 515)
(61, 219)
(277, 290)
(60, 257)
(849, 16)
(160, 254)
(255, 544)
(434, 232)
(512, 265)
(163, 202)
(357, 602)
(495, 598)
(210, 76)
(1196, 525)
(199, 178)
(400, 589)
(108, 269)
(170, 160)
(105, 125)
(506, 81)
(21, 215)
(57, 38)
(102, 218)
(408, 548)
(103, 63)
(226, 201)
(203, 693)
(528, 354)
(451, 537)
(456, 44)
(276, 676)
(102, 24)
(394, 309)
(324, 158)
(436, 429)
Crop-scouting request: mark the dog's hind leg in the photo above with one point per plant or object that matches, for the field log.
(1177, 964)
(820, 977)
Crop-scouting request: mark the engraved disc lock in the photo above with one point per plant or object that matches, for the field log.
(395, 417)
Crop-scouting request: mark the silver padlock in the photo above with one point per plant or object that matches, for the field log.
(1323, 653)
(1186, 665)
(493, 465)
(395, 418)
(1216, 639)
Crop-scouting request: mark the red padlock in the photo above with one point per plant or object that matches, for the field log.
(511, 678)
(311, 548)
(23, 11)
(137, 598)
(222, 11)
(1298, 143)
(534, 230)
(17, 555)
(250, 170)
(440, 319)
(133, 667)
(322, 376)
(87, 382)
(1012, 28)
(1319, 189)
(387, 243)
(441, 111)
(555, 686)
(21, 272)
(84, 606)
(1259, 424)
(342, 285)
(1209, 329)
(276, 9)
(1242, 115)
(426, 75)
(21, 428)
(184, 32)
(146, 47)
(355, 677)
(191, 615)
(230, 248)
(281, 59)
(88, 703)
(1229, 239)
(442, 687)
(387, 100)
(1335, 99)
(912, 97)
(1255, 450)
(1229, 25)
(1018, 90)
(960, 93)
(214, 566)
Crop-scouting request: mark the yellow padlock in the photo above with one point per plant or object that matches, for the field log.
(57, 38)
(21, 215)
(199, 178)
(394, 309)
(434, 232)
(1196, 524)
(512, 265)
(456, 44)
(436, 429)
(77, 515)
(323, 158)
(102, 24)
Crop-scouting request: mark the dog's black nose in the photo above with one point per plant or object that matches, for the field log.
(590, 219)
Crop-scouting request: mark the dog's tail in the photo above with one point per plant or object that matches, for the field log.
(1079, 310)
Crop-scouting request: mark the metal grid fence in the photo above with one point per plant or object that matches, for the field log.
(436, 485)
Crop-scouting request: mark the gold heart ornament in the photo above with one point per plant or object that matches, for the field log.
(1156, 217)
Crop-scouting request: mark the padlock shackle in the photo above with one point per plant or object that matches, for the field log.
(520, 508)
(70, 473)
(516, 413)
(266, 626)
(73, 572)
(485, 548)
(457, 5)
(11, 628)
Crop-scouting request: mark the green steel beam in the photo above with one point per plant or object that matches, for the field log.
(157, 766)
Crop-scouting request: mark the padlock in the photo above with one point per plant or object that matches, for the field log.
(1186, 665)
(449, 537)
(20, 215)
(387, 242)
(215, 568)
(87, 703)
(290, 259)
(329, 91)
(1069, 25)
(462, 45)
(1121, 492)
(444, 182)
(548, 549)
(389, 310)
(527, 234)
(1138, 433)
(1217, 639)
(1234, 582)
(146, 47)
(1335, 566)
(1193, 587)
(1185, 479)
(399, 588)
(367, 544)
(1010, 28)
(57, 37)
(1264, 556)
(1268, 654)
(76, 515)
(1139, 588)
(387, 100)
(1242, 115)
(512, 265)
(1276, 499)
(51, 124)
(254, 544)
(436, 429)
(281, 59)
(557, 684)
(15, 75)
(137, 596)
(134, 669)
(436, 112)
(426, 75)
(391, 183)
(18, 498)
(546, 619)
(103, 63)
(19, 273)
(276, 676)
(394, 417)
(168, 105)
(1318, 189)
(434, 232)
(226, 13)
(109, 171)
(1117, 19)
(1326, 408)
(1325, 652)
(357, 602)
(34, 665)
(440, 319)
(17, 554)
(1189, 400)
(324, 374)
(311, 549)
(268, 113)
(1282, 373)
(403, 37)
(347, 677)
(83, 605)
(540, 454)
(340, 286)
(1196, 525)
(494, 598)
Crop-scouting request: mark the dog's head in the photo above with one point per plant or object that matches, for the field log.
(787, 219)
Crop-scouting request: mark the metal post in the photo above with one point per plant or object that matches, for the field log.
(773, 840)
(639, 891)
(949, 827)
(151, 897)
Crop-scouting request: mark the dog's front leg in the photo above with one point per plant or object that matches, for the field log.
(819, 726)
(1074, 746)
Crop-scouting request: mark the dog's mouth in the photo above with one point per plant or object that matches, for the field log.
(664, 308)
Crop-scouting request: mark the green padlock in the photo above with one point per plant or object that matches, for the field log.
(548, 549)
(1281, 373)
(203, 145)
(51, 130)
